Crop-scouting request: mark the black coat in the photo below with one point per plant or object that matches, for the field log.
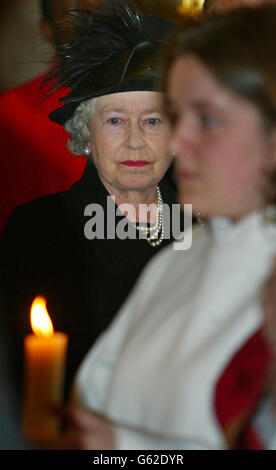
(43, 250)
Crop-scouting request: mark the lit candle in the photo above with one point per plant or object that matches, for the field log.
(45, 355)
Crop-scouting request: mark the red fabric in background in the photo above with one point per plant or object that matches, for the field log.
(34, 160)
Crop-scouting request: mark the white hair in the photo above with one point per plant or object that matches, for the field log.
(78, 127)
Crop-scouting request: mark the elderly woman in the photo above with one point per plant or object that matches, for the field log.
(185, 362)
(76, 248)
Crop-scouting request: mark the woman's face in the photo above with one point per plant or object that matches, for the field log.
(222, 149)
(128, 140)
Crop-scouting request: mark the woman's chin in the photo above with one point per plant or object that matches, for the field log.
(136, 183)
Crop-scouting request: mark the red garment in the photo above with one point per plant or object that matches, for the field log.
(34, 159)
(239, 391)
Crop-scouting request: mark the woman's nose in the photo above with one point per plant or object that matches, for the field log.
(183, 137)
(135, 137)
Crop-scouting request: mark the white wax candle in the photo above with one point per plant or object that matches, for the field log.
(44, 358)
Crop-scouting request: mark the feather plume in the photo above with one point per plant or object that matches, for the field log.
(95, 37)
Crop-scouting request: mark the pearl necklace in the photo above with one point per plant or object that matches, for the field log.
(154, 235)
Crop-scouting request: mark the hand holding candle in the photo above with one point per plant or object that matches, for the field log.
(45, 354)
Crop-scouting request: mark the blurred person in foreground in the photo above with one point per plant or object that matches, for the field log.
(252, 436)
(34, 157)
(186, 363)
(76, 248)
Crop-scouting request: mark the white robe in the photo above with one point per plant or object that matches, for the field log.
(153, 372)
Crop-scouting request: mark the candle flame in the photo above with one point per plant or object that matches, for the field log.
(40, 319)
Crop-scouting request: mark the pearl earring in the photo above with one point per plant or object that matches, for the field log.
(87, 151)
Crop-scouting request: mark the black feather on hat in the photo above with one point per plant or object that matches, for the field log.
(111, 50)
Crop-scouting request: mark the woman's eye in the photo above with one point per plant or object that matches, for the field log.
(152, 122)
(114, 121)
(209, 122)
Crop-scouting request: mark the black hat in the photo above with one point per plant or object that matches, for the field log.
(111, 50)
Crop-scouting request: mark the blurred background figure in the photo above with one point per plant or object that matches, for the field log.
(23, 48)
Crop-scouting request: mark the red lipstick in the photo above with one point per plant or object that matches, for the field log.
(138, 163)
